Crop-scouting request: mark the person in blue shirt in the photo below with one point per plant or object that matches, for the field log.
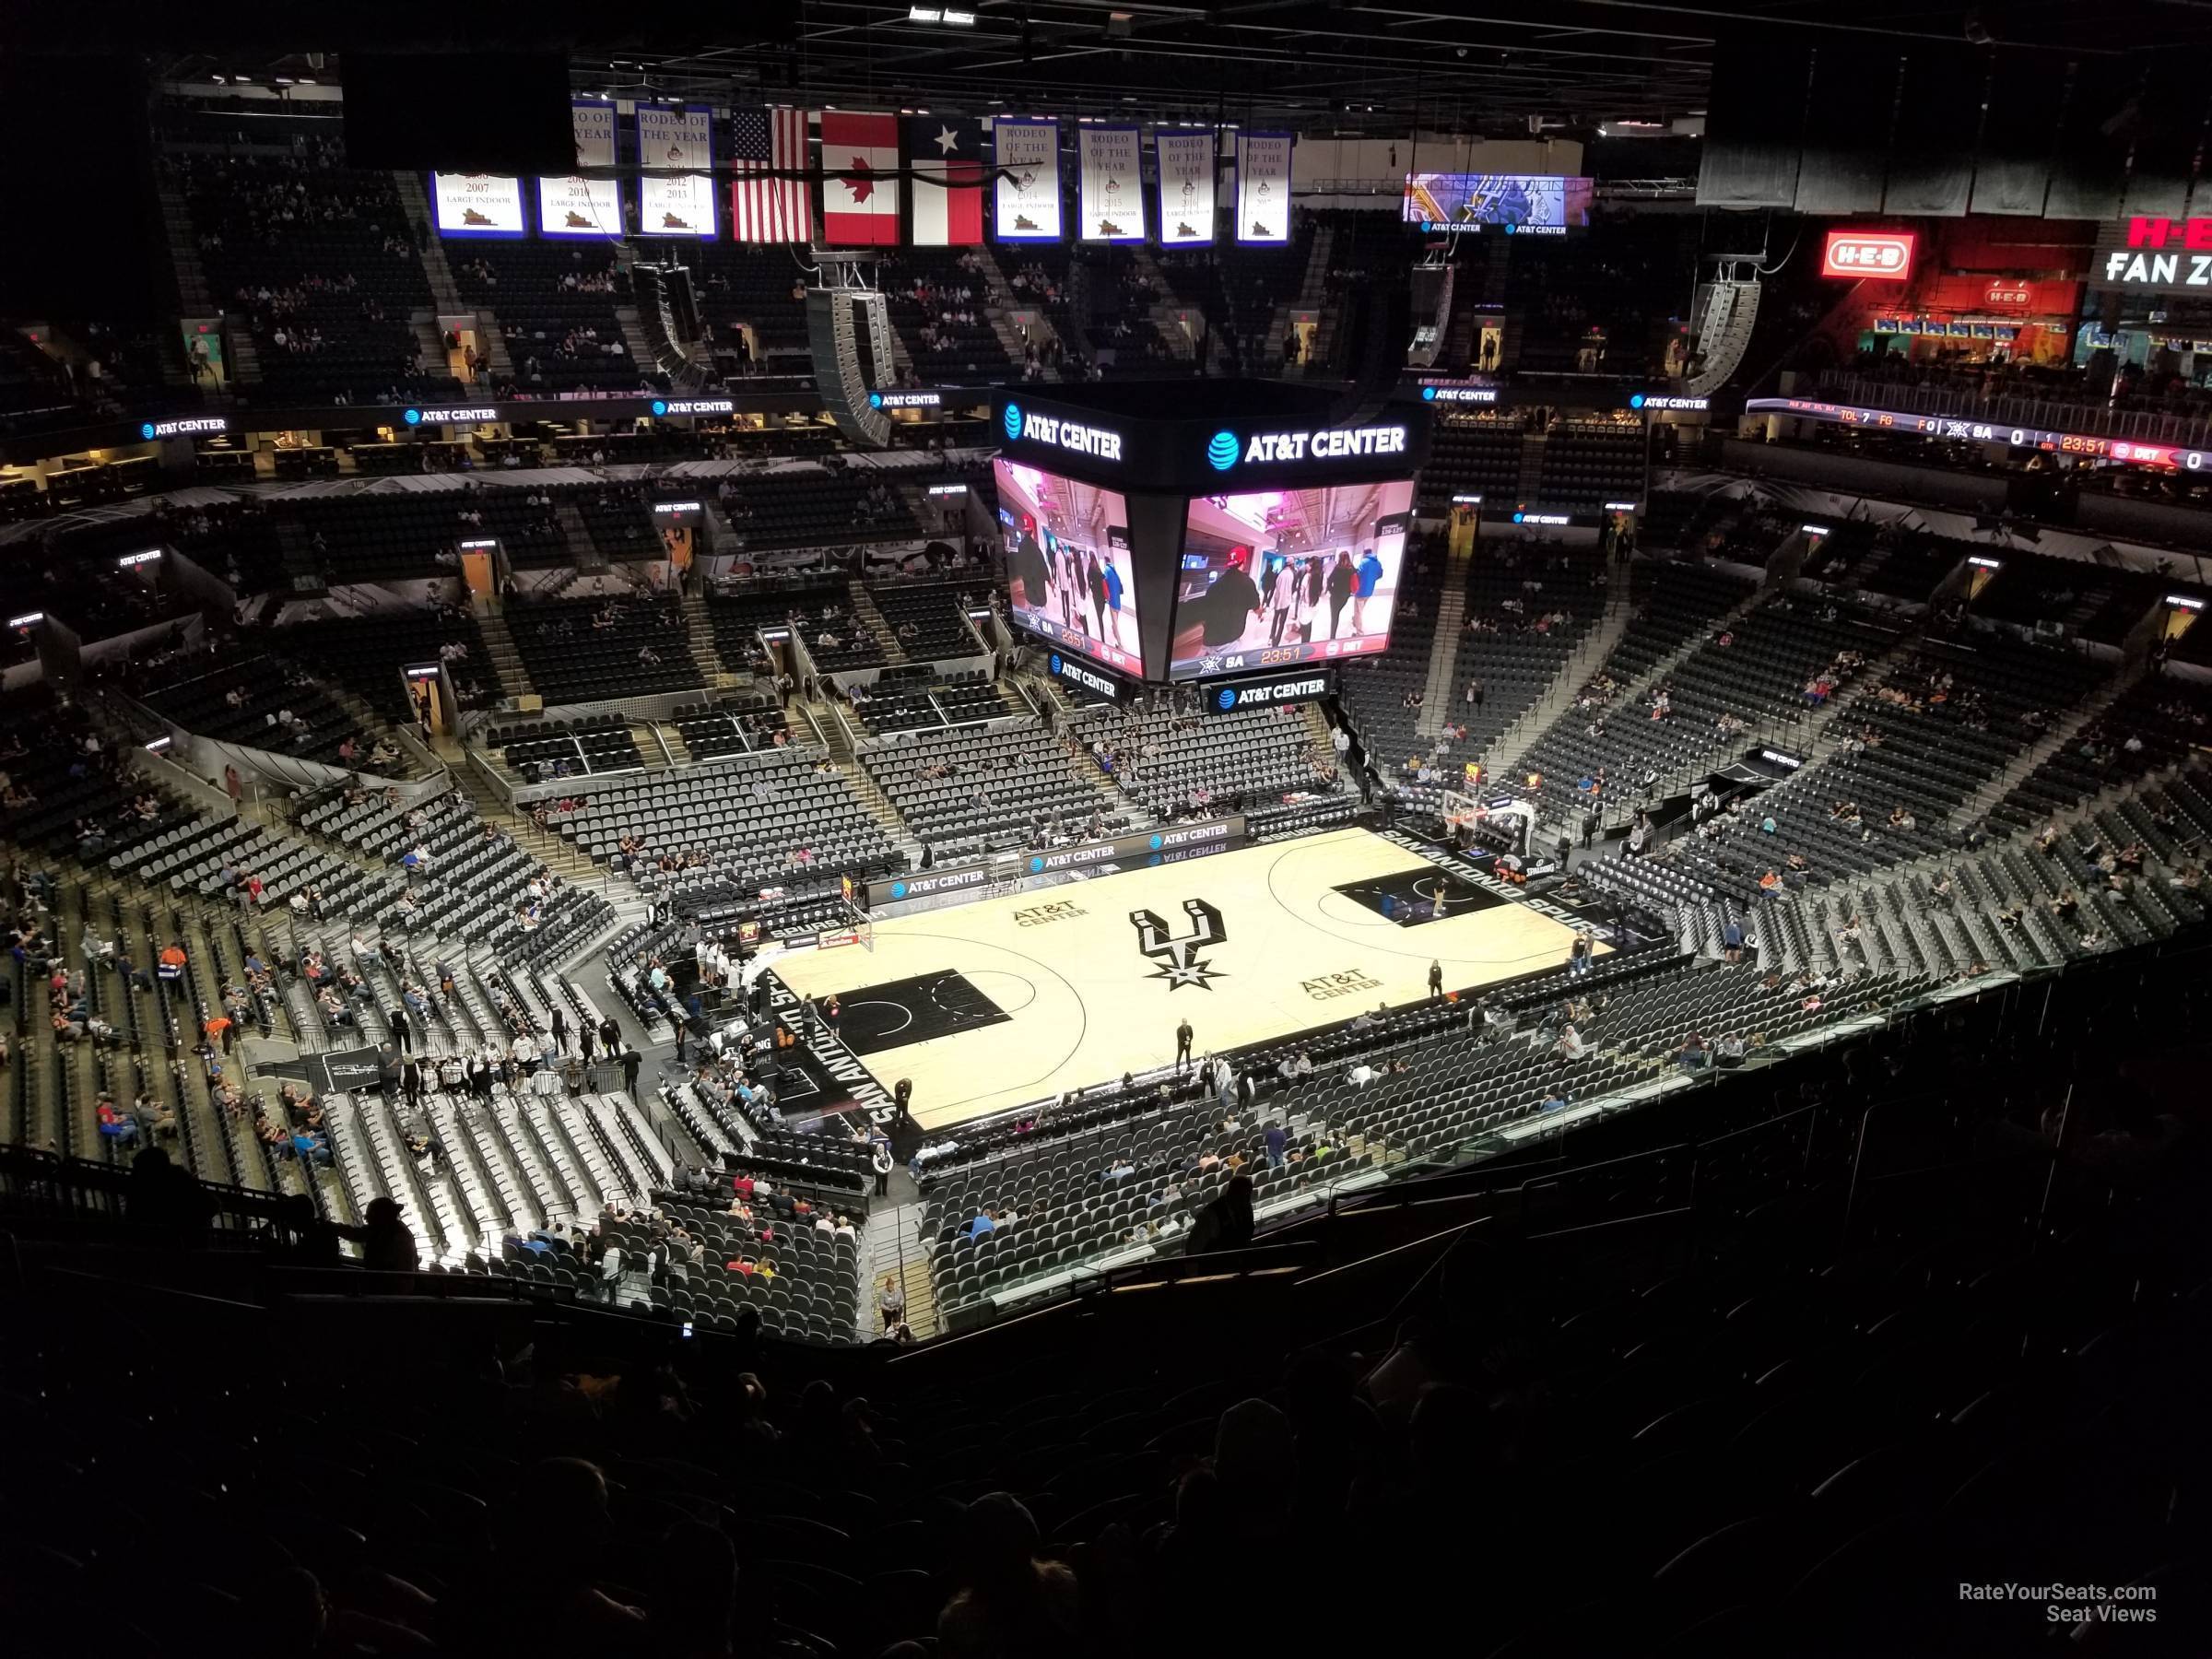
(981, 1224)
(1113, 602)
(1554, 1101)
(1365, 577)
(1276, 1139)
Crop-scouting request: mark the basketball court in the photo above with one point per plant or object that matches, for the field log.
(986, 1005)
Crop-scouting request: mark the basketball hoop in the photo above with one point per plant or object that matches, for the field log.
(852, 926)
(1461, 811)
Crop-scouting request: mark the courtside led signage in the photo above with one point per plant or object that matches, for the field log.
(905, 400)
(180, 428)
(1225, 449)
(448, 417)
(1095, 441)
(693, 405)
(1664, 400)
(1459, 394)
(1874, 255)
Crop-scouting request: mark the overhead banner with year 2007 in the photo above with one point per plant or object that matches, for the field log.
(1186, 188)
(577, 206)
(1025, 202)
(675, 148)
(1109, 185)
(1264, 187)
(477, 204)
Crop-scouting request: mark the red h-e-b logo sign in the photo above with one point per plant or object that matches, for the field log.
(1874, 255)
(2194, 234)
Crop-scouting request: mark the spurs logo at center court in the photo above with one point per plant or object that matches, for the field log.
(1178, 959)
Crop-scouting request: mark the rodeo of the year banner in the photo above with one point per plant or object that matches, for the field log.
(1186, 188)
(1110, 184)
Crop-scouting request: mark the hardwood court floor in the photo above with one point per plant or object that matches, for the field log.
(1012, 999)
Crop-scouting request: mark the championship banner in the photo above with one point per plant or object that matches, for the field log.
(1109, 188)
(1186, 188)
(860, 179)
(945, 154)
(675, 148)
(477, 204)
(1025, 203)
(581, 206)
(1264, 187)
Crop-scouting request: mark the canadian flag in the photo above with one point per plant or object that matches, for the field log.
(860, 178)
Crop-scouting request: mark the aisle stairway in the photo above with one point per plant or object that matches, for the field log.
(1443, 650)
(897, 1251)
(507, 661)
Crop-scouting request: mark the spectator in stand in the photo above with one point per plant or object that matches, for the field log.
(1227, 1223)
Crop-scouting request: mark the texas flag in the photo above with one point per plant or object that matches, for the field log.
(860, 179)
(947, 148)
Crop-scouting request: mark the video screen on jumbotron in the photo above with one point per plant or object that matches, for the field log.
(1068, 574)
(1287, 576)
(1523, 203)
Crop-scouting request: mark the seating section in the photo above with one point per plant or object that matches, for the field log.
(1595, 304)
(729, 727)
(837, 636)
(939, 300)
(912, 698)
(930, 623)
(474, 886)
(619, 520)
(1473, 455)
(967, 793)
(755, 295)
(1588, 463)
(588, 650)
(1676, 604)
(246, 700)
(2157, 723)
(1918, 745)
(366, 656)
(1269, 764)
(542, 750)
(319, 259)
(2086, 600)
(718, 838)
(807, 506)
(1864, 1375)
(555, 304)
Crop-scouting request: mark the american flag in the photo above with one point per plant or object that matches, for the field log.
(763, 209)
